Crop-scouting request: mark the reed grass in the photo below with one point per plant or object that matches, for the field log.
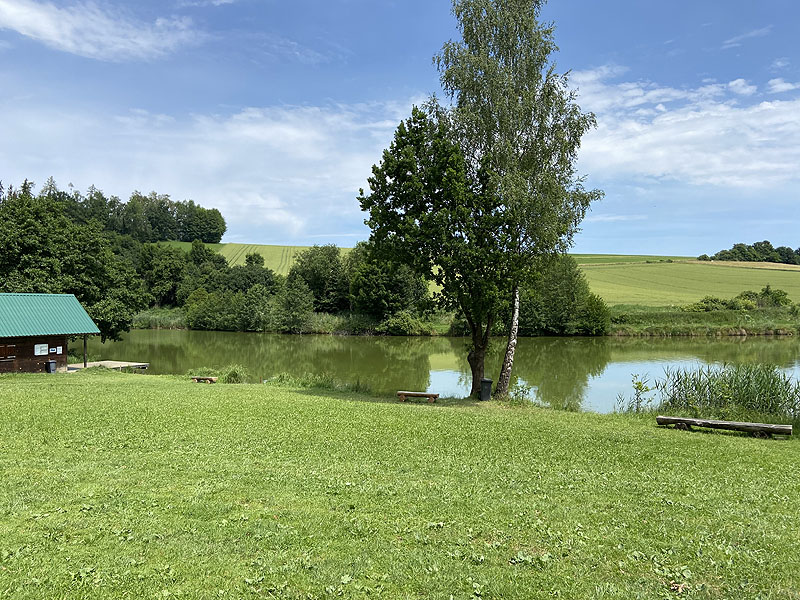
(748, 392)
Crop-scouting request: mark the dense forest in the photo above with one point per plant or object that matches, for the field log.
(757, 252)
(112, 256)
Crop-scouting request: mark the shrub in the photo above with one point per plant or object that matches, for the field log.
(595, 318)
(402, 323)
(234, 374)
(560, 303)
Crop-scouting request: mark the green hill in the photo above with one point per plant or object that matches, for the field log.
(618, 278)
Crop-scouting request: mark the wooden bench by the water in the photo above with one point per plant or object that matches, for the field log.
(403, 395)
(764, 429)
(204, 379)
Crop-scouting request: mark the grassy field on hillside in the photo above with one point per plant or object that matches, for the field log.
(135, 486)
(679, 283)
(595, 259)
(277, 258)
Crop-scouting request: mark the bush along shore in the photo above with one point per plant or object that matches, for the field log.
(767, 312)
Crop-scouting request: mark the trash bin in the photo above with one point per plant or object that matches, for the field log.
(486, 389)
(50, 366)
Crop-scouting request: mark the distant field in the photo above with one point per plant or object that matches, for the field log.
(664, 284)
(608, 259)
(277, 258)
(618, 278)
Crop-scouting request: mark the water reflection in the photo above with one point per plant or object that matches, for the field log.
(566, 373)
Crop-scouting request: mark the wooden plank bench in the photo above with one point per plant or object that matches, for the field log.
(204, 379)
(403, 395)
(761, 429)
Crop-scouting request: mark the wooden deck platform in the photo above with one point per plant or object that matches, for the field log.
(108, 364)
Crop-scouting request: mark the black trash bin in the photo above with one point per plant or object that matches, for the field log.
(486, 389)
(50, 366)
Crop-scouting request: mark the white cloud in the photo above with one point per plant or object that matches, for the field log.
(737, 40)
(88, 30)
(699, 136)
(741, 87)
(276, 173)
(778, 86)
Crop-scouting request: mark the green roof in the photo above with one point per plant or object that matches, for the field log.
(26, 315)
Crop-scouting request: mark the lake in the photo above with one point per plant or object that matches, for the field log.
(566, 373)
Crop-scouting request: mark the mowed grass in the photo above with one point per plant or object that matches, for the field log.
(135, 486)
(680, 283)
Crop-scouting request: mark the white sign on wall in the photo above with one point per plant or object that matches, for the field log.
(40, 349)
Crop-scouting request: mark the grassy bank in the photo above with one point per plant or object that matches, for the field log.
(637, 320)
(141, 486)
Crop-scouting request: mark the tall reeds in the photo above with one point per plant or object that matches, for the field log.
(731, 392)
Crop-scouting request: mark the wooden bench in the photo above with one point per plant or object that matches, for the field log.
(758, 429)
(204, 379)
(403, 395)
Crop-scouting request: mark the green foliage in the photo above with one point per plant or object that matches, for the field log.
(757, 252)
(293, 306)
(43, 251)
(322, 270)
(768, 297)
(403, 323)
(380, 287)
(559, 302)
(234, 374)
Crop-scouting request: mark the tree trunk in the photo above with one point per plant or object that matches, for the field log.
(477, 354)
(508, 362)
(476, 359)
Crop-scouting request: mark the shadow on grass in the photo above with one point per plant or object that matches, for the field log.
(383, 399)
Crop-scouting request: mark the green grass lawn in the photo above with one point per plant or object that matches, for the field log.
(136, 486)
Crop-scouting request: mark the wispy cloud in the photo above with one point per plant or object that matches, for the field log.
(87, 29)
(614, 218)
(779, 63)
(737, 40)
(779, 85)
(700, 136)
(202, 3)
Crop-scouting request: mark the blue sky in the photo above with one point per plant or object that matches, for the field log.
(275, 111)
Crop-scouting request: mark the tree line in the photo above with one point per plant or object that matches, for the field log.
(145, 218)
(48, 245)
(757, 252)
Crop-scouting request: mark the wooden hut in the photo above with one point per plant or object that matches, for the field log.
(35, 330)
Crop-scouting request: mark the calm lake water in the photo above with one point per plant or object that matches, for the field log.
(567, 373)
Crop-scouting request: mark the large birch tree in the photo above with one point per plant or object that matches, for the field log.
(472, 195)
(516, 119)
